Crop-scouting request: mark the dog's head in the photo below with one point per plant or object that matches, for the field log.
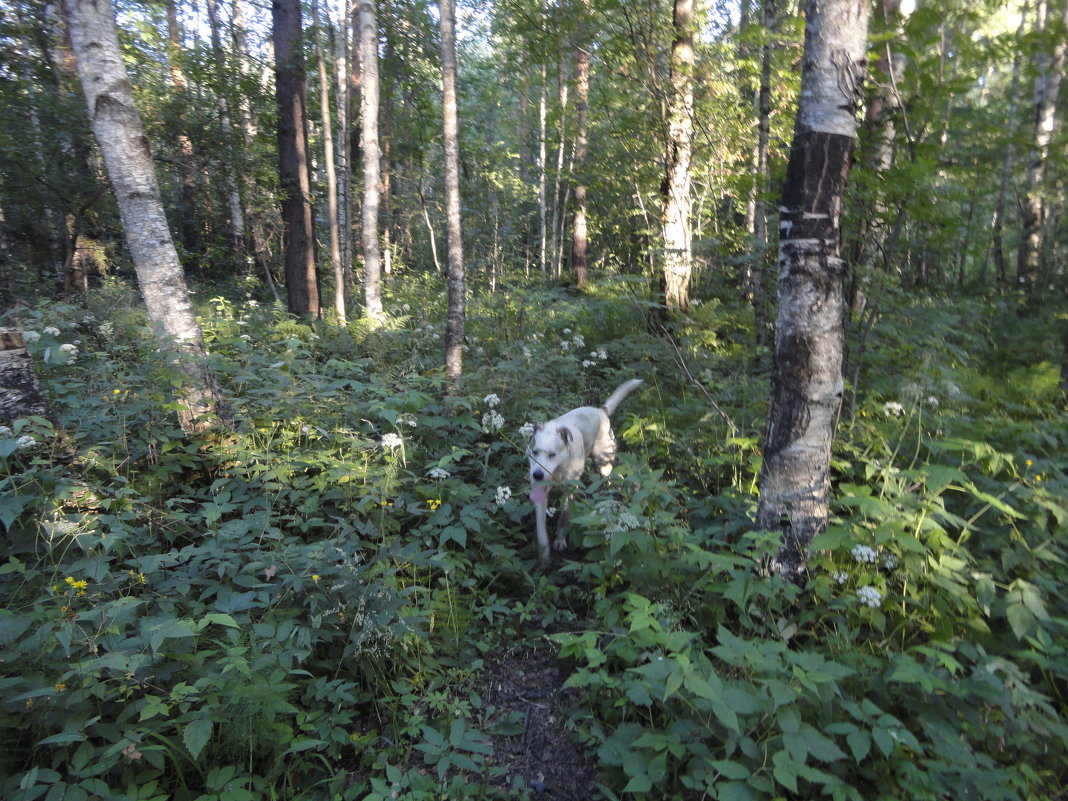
(549, 451)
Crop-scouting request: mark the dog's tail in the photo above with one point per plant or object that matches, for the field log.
(617, 397)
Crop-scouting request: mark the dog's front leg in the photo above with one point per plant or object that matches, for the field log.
(543, 533)
(561, 526)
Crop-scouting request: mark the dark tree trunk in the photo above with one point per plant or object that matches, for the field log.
(302, 289)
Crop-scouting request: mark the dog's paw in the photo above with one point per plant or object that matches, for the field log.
(560, 544)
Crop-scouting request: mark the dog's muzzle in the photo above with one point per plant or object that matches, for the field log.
(537, 474)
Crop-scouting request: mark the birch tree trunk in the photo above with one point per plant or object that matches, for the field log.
(331, 173)
(676, 216)
(117, 127)
(579, 236)
(806, 382)
(372, 251)
(454, 322)
(302, 289)
(543, 178)
(760, 211)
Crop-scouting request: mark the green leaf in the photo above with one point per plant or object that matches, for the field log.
(859, 743)
(639, 784)
(785, 770)
(822, 748)
(196, 736)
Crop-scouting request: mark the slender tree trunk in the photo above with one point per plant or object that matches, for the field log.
(344, 191)
(676, 217)
(117, 127)
(806, 383)
(454, 323)
(331, 173)
(579, 236)
(1008, 161)
(557, 223)
(1049, 72)
(543, 178)
(372, 251)
(302, 288)
(260, 247)
(233, 191)
(760, 212)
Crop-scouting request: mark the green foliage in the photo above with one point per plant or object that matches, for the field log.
(302, 608)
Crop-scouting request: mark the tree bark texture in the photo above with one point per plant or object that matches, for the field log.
(676, 218)
(302, 289)
(117, 127)
(579, 234)
(331, 173)
(806, 383)
(20, 394)
(454, 322)
(372, 250)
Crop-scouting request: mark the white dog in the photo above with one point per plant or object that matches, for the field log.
(559, 453)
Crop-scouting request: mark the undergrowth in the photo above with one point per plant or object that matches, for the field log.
(300, 608)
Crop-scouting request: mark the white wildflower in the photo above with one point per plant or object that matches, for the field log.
(550, 511)
(840, 576)
(870, 596)
(70, 350)
(491, 400)
(893, 408)
(52, 331)
(25, 442)
(30, 337)
(932, 401)
(504, 494)
(251, 303)
(5, 432)
(565, 344)
(492, 421)
(862, 553)
(407, 419)
(527, 354)
(406, 308)
(889, 561)
(579, 341)
(588, 363)
(438, 473)
(567, 332)
(526, 430)
(391, 441)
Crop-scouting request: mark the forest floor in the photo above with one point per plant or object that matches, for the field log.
(530, 681)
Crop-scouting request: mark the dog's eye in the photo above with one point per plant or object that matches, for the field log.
(550, 455)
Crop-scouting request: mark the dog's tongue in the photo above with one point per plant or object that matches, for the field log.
(539, 494)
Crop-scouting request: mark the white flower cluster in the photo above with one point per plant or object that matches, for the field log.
(526, 431)
(30, 337)
(492, 401)
(22, 442)
(504, 494)
(617, 518)
(492, 421)
(840, 576)
(893, 408)
(406, 419)
(870, 596)
(438, 473)
(391, 441)
(863, 553)
(52, 331)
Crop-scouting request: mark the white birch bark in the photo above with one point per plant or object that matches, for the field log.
(806, 385)
(117, 128)
(676, 216)
(454, 322)
(372, 251)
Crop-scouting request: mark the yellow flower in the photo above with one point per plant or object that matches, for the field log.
(315, 577)
(1028, 463)
(77, 585)
(60, 687)
(433, 503)
(116, 392)
(1038, 478)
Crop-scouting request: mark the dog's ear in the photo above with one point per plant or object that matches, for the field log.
(537, 427)
(565, 435)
